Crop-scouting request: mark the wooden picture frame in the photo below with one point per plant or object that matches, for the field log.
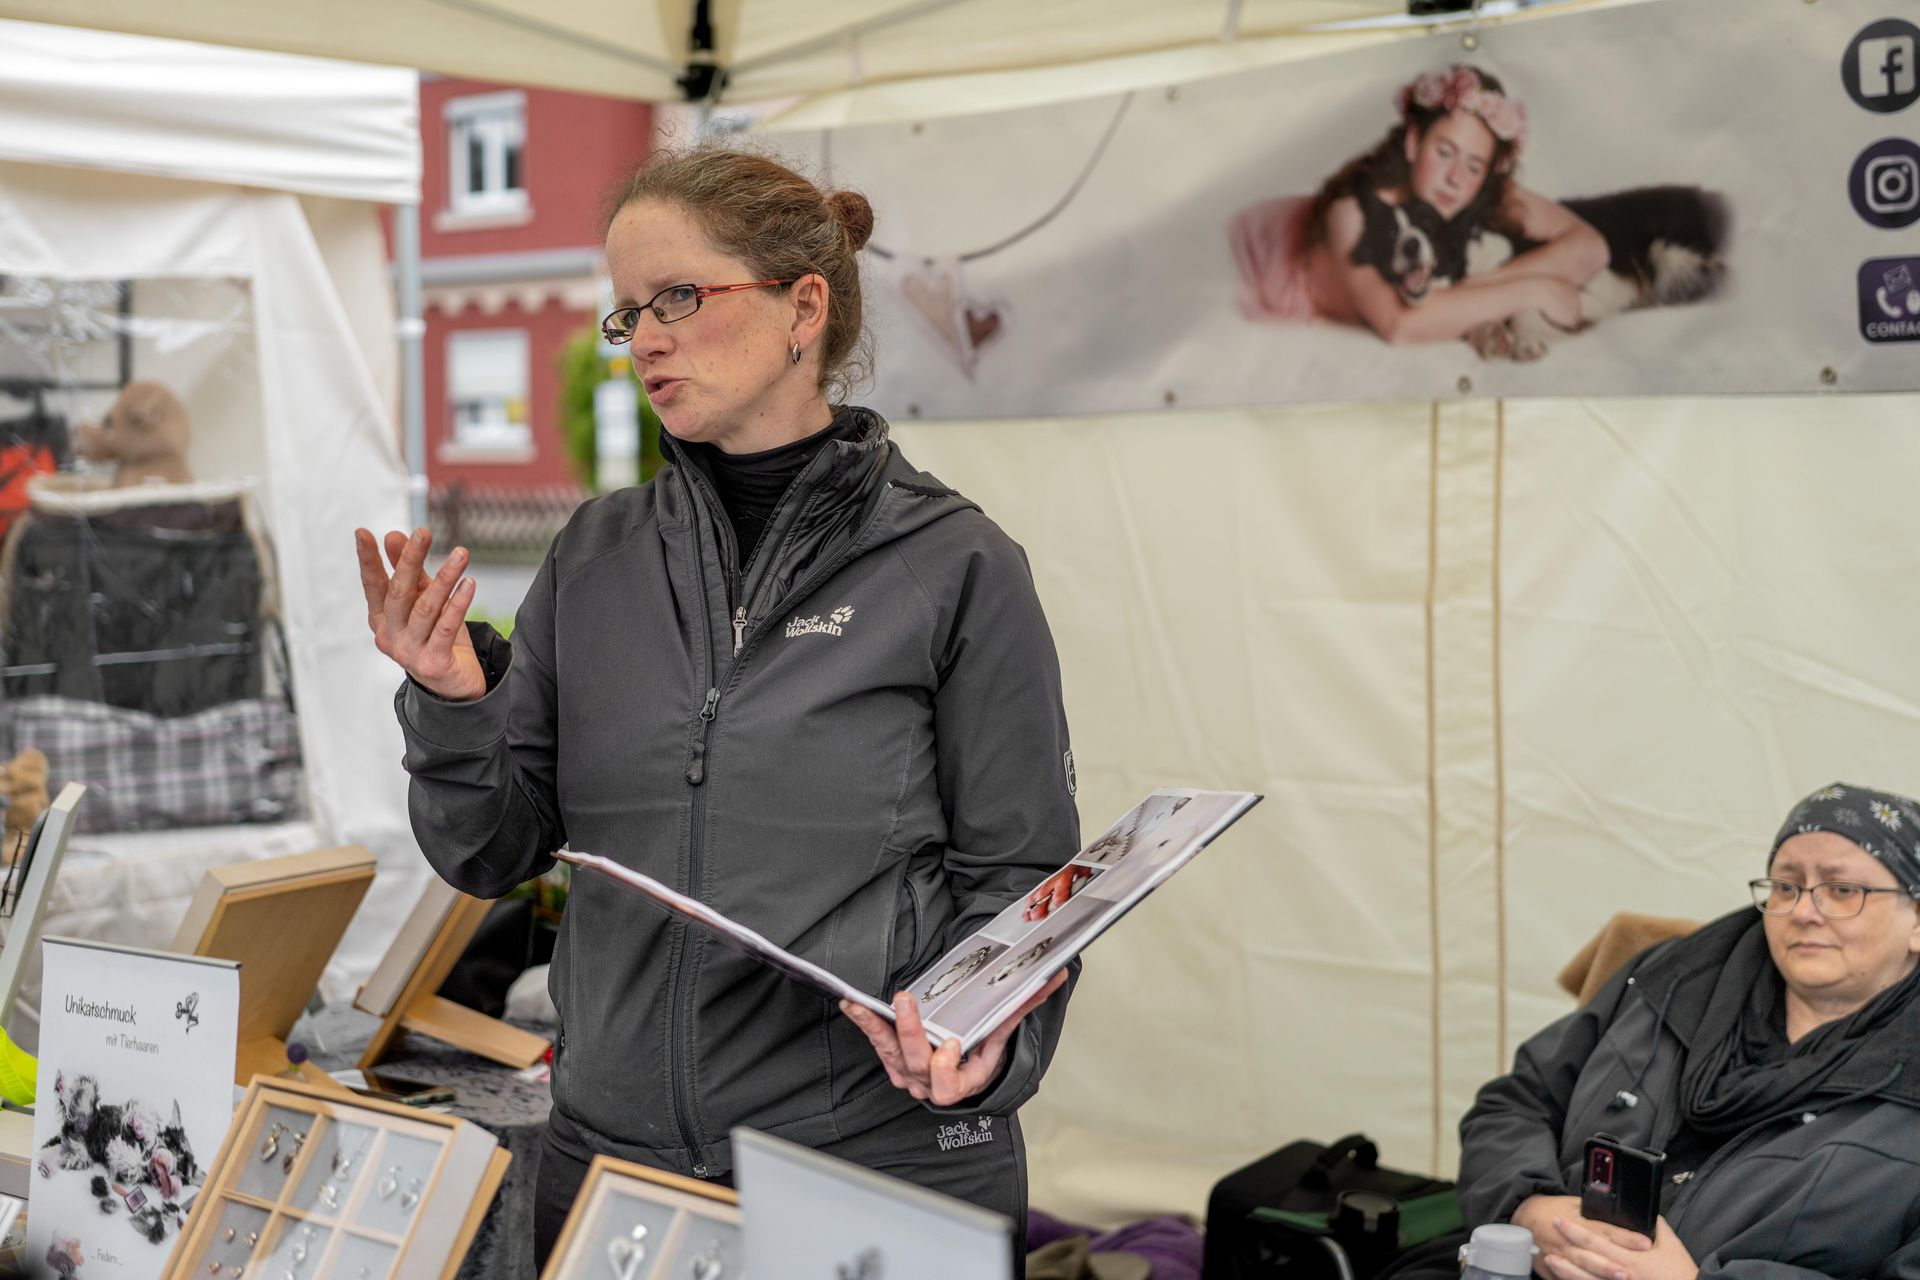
(309, 1183)
(630, 1222)
(403, 991)
(282, 919)
(45, 851)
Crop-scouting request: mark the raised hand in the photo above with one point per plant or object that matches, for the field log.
(420, 621)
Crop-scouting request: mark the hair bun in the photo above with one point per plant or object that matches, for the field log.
(855, 216)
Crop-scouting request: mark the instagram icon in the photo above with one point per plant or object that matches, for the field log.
(1885, 183)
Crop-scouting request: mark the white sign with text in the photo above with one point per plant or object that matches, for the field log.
(135, 1094)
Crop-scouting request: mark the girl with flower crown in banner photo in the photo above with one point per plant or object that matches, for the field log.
(1430, 236)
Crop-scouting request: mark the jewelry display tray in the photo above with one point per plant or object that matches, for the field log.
(308, 1186)
(630, 1222)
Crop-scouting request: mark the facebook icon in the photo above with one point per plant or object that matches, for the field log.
(1882, 67)
(1886, 67)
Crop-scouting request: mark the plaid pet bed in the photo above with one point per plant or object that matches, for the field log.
(236, 762)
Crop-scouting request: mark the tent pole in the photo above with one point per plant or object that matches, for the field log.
(413, 379)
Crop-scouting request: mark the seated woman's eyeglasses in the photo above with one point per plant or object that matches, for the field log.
(675, 302)
(1836, 899)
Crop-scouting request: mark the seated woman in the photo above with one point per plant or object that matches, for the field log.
(1774, 1056)
(1456, 148)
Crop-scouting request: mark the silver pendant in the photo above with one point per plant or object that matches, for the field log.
(709, 1263)
(628, 1253)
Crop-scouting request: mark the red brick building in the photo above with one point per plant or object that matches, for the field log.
(510, 267)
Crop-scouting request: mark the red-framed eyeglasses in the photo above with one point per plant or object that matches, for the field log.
(675, 302)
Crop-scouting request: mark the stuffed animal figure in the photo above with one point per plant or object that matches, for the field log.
(23, 790)
(145, 433)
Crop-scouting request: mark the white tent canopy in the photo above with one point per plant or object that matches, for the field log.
(769, 48)
(232, 190)
(207, 114)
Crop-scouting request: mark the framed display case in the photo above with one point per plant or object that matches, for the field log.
(634, 1223)
(241, 913)
(311, 1187)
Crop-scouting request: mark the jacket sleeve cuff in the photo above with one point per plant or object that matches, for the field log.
(462, 726)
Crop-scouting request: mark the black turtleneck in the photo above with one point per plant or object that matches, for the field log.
(750, 485)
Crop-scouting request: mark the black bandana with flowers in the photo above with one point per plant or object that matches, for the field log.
(1884, 824)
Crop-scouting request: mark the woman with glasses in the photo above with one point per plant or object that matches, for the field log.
(1774, 1056)
(791, 676)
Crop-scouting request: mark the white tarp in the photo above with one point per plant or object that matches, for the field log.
(208, 114)
(290, 383)
(1501, 671)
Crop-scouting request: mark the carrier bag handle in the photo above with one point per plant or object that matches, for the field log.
(1357, 1147)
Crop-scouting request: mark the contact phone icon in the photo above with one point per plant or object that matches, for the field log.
(1894, 283)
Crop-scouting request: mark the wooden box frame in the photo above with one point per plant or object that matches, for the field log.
(221, 1200)
(282, 919)
(404, 989)
(690, 1206)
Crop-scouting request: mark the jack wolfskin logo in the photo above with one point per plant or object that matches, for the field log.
(950, 1136)
(827, 626)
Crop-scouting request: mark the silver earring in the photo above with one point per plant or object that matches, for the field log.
(272, 1144)
(411, 1196)
(796, 353)
(389, 1184)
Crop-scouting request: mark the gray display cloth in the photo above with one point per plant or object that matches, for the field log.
(488, 1094)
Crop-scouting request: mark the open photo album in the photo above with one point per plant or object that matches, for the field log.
(984, 977)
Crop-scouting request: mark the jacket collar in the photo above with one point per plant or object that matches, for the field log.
(1678, 979)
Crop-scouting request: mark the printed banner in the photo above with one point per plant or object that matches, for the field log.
(135, 1095)
(1685, 196)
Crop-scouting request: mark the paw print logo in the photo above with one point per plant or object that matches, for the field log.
(844, 612)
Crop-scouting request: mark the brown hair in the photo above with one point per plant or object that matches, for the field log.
(782, 226)
(1386, 167)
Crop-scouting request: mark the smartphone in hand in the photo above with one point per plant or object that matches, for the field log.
(1621, 1186)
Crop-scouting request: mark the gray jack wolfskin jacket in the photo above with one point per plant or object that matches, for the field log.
(1828, 1190)
(855, 746)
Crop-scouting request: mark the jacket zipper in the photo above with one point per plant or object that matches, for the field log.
(680, 993)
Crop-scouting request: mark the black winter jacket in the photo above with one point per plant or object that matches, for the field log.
(1828, 1189)
(854, 745)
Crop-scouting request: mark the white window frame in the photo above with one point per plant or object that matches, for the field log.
(502, 117)
(496, 437)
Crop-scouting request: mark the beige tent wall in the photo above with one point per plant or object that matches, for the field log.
(1703, 615)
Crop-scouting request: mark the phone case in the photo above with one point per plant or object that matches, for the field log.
(1621, 1185)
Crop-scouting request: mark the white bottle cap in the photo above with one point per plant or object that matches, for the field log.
(1500, 1248)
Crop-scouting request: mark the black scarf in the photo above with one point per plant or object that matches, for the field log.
(1737, 1073)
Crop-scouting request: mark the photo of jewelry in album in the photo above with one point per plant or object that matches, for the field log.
(634, 1223)
(309, 1187)
(987, 974)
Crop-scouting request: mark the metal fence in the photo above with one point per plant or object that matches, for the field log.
(499, 523)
